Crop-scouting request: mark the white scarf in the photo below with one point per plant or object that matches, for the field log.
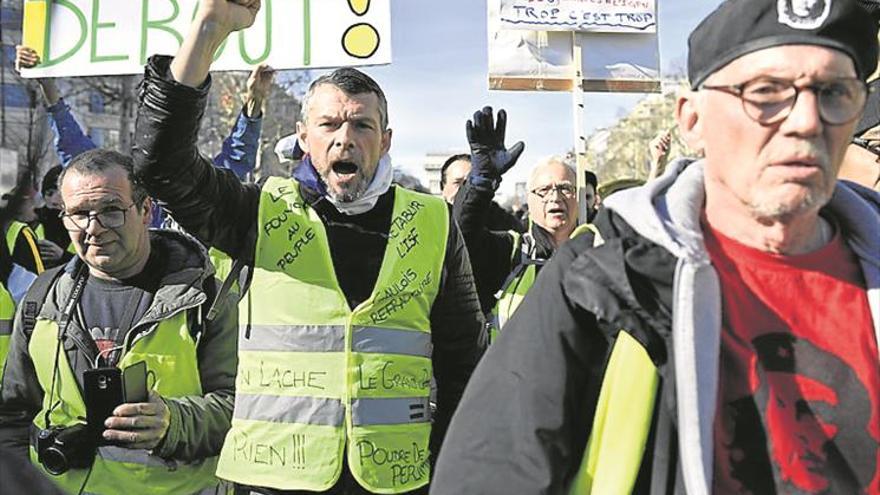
(380, 184)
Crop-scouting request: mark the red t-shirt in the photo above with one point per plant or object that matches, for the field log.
(799, 388)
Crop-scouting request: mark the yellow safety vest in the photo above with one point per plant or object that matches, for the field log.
(17, 228)
(621, 423)
(317, 379)
(40, 232)
(170, 354)
(7, 304)
(222, 263)
(7, 314)
(521, 279)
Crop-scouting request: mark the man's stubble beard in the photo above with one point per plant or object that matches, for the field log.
(345, 194)
(818, 194)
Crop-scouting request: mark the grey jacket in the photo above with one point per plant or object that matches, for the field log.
(198, 422)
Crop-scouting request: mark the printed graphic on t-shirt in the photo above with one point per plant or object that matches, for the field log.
(799, 388)
(108, 341)
(816, 412)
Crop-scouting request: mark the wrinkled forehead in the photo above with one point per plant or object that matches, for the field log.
(330, 100)
(551, 173)
(109, 187)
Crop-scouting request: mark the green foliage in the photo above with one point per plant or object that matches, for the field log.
(623, 151)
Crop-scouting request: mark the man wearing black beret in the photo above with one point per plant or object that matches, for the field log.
(722, 335)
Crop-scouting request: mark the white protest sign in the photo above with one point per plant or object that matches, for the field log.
(604, 16)
(543, 61)
(104, 37)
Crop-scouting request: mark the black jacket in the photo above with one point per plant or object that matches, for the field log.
(218, 209)
(526, 416)
(537, 389)
(491, 251)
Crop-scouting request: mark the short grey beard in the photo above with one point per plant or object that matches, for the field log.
(782, 213)
(346, 196)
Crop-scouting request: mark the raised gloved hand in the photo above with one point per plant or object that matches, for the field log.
(489, 157)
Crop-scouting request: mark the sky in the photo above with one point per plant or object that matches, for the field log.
(438, 79)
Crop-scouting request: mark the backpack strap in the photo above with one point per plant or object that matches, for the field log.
(32, 303)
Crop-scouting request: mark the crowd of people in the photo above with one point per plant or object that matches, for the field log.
(169, 325)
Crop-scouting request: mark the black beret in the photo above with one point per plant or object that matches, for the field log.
(873, 8)
(871, 116)
(739, 27)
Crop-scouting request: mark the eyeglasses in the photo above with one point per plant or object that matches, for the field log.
(768, 100)
(864, 143)
(564, 190)
(110, 218)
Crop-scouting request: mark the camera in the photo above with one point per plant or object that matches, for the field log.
(60, 449)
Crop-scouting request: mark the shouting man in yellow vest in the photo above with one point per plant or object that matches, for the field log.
(360, 293)
(131, 297)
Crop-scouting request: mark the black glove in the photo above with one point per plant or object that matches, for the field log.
(489, 158)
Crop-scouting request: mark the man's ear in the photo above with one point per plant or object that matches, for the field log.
(148, 210)
(301, 133)
(386, 140)
(688, 117)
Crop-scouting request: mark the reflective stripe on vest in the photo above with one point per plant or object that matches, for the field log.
(621, 423)
(317, 379)
(170, 354)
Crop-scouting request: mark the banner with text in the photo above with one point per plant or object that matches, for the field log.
(104, 37)
(601, 16)
(543, 61)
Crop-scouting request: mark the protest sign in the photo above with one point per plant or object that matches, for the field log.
(545, 61)
(105, 37)
(604, 16)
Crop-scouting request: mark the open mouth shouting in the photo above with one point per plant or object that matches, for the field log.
(344, 168)
(557, 212)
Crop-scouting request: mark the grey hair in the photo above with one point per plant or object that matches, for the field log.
(351, 82)
(551, 160)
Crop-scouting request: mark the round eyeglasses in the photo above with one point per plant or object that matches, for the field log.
(768, 100)
(109, 218)
(564, 190)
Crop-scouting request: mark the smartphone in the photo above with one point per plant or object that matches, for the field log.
(107, 388)
(102, 392)
(134, 383)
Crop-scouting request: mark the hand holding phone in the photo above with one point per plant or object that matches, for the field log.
(121, 411)
(140, 425)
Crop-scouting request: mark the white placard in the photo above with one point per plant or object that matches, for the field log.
(603, 16)
(543, 61)
(104, 37)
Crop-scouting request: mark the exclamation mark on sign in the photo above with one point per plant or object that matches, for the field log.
(360, 40)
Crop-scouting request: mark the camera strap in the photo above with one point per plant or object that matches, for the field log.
(80, 277)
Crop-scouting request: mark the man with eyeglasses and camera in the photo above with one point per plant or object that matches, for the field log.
(506, 263)
(132, 298)
(690, 351)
